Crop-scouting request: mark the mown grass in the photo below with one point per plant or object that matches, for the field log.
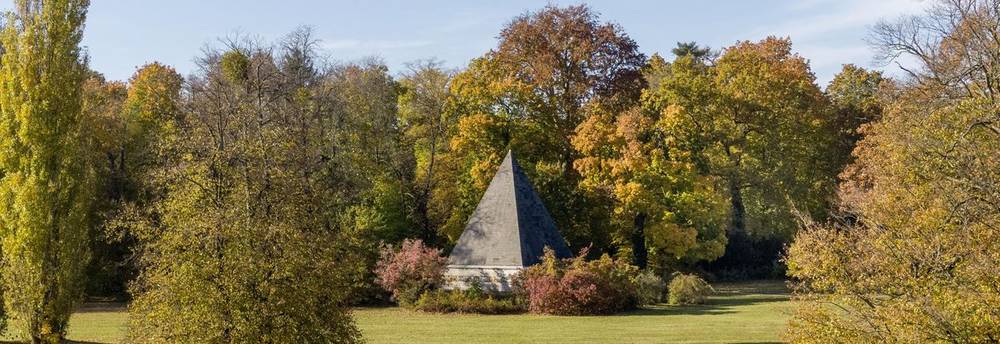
(741, 313)
(93, 323)
(738, 313)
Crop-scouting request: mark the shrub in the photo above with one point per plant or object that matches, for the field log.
(578, 287)
(410, 271)
(688, 289)
(651, 288)
(470, 301)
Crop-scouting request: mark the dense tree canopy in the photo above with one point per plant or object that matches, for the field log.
(753, 120)
(550, 71)
(247, 202)
(428, 123)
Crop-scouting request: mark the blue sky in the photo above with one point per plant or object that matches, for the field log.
(124, 34)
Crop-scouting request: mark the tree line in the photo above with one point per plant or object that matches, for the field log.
(246, 202)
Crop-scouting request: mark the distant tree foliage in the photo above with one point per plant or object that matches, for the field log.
(125, 120)
(428, 124)
(854, 95)
(914, 258)
(102, 101)
(755, 122)
(371, 165)
(46, 180)
(693, 50)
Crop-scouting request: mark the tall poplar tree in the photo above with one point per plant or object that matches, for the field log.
(45, 179)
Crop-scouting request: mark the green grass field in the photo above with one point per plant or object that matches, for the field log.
(738, 313)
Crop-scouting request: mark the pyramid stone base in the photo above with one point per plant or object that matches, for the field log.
(491, 278)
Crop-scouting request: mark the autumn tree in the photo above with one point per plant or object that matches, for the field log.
(245, 245)
(550, 71)
(854, 95)
(754, 119)
(428, 124)
(46, 181)
(102, 102)
(916, 260)
(373, 162)
(662, 205)
(126, 121)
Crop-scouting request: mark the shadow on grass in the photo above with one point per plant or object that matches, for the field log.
(64, 342)
(714, 306)
(101, 307)
(768, 287)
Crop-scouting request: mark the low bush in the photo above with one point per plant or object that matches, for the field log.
(688, 289)
(651, 288)
(410, 271)
(453, 301)
(579, 287)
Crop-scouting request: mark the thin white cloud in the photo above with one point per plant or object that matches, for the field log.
(831, 33)
(821, 56)
(807, 4)
(833, 16)
(375, 45)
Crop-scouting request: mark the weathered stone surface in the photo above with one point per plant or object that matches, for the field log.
(510, 226)
(489, 278)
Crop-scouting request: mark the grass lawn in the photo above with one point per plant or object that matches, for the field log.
(739, 313)
(94, 323)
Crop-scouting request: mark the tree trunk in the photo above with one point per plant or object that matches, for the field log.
(427, 232)
(738, 224)
(640, 256)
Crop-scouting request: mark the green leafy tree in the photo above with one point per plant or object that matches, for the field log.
(46, 180)
(663, 206)
(245, 245)
(102, 102)
(428, 124)
(854, 94)
(373, 163)
(692, 49)
(755, 120)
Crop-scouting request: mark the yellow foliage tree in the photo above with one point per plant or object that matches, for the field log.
(46, 180)
(914, 259)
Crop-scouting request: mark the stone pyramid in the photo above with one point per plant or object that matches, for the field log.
(510, 227)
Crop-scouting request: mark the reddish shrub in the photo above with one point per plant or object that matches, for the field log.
(410, 271)
(578, 287)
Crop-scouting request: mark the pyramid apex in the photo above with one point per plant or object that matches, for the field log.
(510, 226)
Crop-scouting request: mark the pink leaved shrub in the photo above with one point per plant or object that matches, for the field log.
(579, 287)
(410, 270)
